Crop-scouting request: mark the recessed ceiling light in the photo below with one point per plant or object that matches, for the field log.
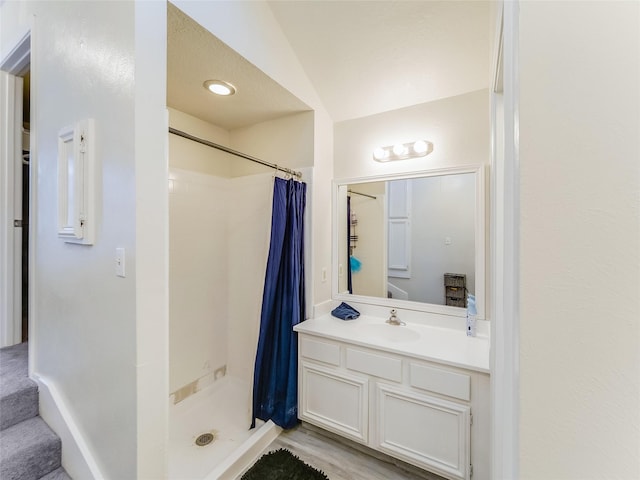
(219, 87)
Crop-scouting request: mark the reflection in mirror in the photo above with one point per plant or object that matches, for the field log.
(411, 239)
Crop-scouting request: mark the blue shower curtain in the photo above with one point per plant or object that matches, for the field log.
(275, 381)
(349, 273)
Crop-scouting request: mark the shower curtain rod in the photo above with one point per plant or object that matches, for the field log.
(363, 194)
(188, 136)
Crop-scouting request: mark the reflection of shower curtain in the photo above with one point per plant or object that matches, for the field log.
(275, 378)
(349, 281)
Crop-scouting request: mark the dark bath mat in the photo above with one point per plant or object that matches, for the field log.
(282, 465)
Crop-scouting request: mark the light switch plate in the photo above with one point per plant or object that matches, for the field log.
(120, 258)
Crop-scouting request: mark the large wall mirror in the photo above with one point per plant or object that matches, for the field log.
(412, 241)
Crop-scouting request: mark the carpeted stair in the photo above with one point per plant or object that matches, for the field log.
(29, 449)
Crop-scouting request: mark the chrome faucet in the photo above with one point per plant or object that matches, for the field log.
(393, 319)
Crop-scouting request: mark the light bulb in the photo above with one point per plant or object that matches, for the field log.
(420, 146)
(399, 149)
(380, 153)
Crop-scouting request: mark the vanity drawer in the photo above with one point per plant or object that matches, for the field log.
(320, 351)
(376, 364)
(437, 380)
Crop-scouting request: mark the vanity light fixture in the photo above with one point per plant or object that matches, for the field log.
(219, 87)
(403, 151)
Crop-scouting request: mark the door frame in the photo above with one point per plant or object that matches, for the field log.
(505, 252)
(13, 65)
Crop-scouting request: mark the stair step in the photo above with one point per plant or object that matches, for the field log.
(28, 450)
(18, 394)
(18, 405)
(59, 474)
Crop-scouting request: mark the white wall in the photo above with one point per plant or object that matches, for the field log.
(83, 329)
(580, 240)
(286, 141)
(186, 154)
(15, 18)
(152, 236)
(457, 126)
(99, 341)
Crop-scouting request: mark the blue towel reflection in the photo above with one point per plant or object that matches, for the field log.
(355, 264)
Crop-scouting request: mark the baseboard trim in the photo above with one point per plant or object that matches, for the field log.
(77, 458)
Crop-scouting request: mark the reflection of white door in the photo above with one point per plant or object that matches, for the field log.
(399, 229)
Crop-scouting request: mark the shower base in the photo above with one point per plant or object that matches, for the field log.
(222, 409)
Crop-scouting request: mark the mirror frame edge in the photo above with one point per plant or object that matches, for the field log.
(480, 242)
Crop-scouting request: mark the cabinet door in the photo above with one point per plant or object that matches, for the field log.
(335, 400)
(426, 431)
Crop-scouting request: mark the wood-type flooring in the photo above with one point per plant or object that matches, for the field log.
(341, 459)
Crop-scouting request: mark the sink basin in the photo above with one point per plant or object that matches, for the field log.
(389, 333)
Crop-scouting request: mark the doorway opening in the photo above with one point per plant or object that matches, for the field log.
(26, 156)
(16, 158)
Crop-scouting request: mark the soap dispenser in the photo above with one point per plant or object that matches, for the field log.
(471, 315)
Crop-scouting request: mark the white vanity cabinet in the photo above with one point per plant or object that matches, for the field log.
(431, 415)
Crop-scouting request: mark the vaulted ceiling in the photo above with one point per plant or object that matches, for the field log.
(362, 57)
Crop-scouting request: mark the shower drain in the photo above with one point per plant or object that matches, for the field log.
(205, 439)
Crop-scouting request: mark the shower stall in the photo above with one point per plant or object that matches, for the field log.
(219, 239)
(219, 231)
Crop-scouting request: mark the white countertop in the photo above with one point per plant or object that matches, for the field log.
(443, 345)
